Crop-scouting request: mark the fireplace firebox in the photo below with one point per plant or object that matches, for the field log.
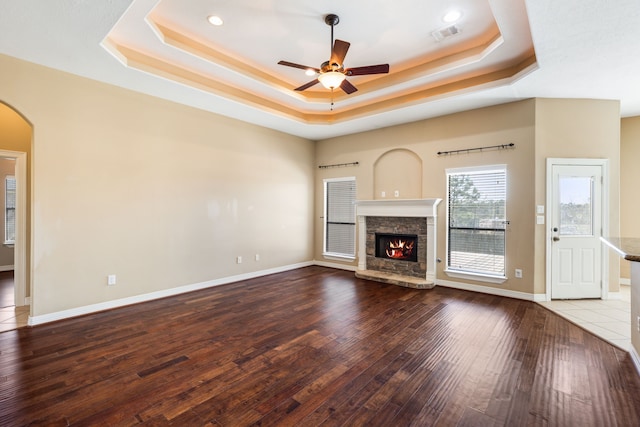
(403, 247)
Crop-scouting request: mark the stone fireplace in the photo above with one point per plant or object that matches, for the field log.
(397, 241)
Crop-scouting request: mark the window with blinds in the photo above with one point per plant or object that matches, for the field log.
(476, 210)
(340, 217)
(9, 209)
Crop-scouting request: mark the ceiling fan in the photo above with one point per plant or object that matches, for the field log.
(332, 73)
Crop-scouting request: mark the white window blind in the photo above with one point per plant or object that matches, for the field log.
(477, 220)
(340, 216)
(9, 209)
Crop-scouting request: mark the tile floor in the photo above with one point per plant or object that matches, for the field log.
(608, 319)
(13, 317)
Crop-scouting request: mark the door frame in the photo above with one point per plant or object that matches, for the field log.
(20, 245)
(604, 255)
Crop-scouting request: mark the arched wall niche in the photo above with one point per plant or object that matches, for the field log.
(397, 174)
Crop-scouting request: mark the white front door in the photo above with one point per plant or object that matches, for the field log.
(576, 228)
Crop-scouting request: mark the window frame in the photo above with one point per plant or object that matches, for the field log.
(326, 222)
(474, 274)
(8, 241)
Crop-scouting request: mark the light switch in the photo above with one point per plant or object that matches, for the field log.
(540, 209)
(540, 219)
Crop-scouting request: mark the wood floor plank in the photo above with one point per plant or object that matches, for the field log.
(316, 346)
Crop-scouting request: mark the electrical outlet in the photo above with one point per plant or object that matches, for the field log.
(638, 323)
(518, 273)
(396, 193)
(383, 194)
(239, 260)
(111, 279)
(257, 257)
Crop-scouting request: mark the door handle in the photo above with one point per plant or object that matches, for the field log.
(555, 238)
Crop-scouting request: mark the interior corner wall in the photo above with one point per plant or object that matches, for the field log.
(490, 126)
(159, 194)
(577, 128)
(629, 179)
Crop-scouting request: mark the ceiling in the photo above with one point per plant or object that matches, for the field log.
(499, 51)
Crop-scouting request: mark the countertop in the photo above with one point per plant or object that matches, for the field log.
(627, 247)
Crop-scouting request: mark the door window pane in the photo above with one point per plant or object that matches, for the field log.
(576, 211)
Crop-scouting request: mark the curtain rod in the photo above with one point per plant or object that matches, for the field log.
(338, 165)
(468, 150)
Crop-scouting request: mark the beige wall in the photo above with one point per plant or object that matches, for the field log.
(540, 128)
(582, 129)
(629, 208)
(163, 195)
(485, 127)
(629, 180)
(159, 194)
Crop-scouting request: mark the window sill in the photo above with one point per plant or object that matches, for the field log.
(475, 276)
(9, 244)
(338, 257)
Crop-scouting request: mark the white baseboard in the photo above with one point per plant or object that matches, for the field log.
(625, 281)
(6, 268)
(614, 295)
(336, 265)
(492, 291)
(635, 358)
(107, 305)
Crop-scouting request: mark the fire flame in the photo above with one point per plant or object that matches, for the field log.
(400, 249)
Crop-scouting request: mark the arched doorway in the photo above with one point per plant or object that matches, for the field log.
(16, 135)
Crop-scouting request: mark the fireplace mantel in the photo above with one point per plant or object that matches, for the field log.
(398, 207)
(416, 208)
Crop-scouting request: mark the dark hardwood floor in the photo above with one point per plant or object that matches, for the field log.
(316, 346)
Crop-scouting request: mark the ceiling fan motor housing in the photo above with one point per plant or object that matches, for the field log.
(331, 19)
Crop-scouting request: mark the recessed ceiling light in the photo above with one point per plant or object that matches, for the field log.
(452, 16)
(310, 72)
(215, 20)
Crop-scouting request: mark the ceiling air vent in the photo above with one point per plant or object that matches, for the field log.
(446, 32)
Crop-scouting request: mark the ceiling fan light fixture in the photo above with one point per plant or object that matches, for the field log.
(331, 79)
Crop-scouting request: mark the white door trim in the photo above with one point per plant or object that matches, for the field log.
(20, 246)
(604, 164)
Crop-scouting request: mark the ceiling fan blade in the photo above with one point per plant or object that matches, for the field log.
(339, 51)
(307, 85)
(302, 67)
(369, 69)
(347, 87)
